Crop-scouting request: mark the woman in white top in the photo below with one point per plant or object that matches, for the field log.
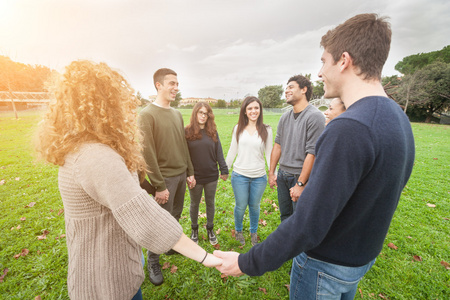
(250, 140)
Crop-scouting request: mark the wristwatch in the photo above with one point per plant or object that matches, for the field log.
(299, 183)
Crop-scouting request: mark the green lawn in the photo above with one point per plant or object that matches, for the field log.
(420, 229)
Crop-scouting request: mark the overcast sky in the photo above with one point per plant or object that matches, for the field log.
(220, 48)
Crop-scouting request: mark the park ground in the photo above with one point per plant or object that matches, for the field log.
(413, 264)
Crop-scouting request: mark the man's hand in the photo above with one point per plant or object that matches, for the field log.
(162, 197)
(296, 191)
(224, 177)
(191, 181)
(230, 266)
(272, 180)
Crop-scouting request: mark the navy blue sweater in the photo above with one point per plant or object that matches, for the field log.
(363, 160)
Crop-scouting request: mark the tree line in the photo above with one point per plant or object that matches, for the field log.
(20, 77)
(423, 90)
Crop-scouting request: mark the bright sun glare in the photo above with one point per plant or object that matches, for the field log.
(6, 8)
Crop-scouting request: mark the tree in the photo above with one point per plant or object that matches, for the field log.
(427, 90)
(390, 85)
(142, 99)
(221, 103)
(317, 90)
(412, 63)
(235, 103)
(177, 100)
(270, 95)
(22, 77)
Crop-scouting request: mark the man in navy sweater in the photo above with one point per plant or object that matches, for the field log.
(363, 160)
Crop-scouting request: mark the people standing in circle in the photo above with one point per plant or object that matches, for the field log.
(336, 108)
(206, 153)
(251, 140)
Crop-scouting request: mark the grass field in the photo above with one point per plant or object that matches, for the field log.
(33, 255)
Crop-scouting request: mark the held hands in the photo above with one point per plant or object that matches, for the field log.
(212, 261)
(272, 180)
(224, 177)
(162, 197)
(229, 266)
(295, 192)
(191, 182)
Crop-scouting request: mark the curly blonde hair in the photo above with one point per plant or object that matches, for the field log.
(93, 104)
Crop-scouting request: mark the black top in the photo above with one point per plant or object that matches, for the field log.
(363, 160)
(205, 155)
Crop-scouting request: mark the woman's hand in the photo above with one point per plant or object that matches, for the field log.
(224, 177)
(212, 261)
(191, 181)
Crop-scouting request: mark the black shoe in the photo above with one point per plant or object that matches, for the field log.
(194, 234)
(212, 237)
(155, 274)
(171, 252)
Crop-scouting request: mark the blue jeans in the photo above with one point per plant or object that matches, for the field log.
(285, 181)
(247, 192)
(315, 279)
(138, 295)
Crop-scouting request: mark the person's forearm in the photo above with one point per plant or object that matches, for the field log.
(274, 158)
(306, 169)
(188, 248)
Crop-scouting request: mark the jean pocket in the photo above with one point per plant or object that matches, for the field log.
(329, 285)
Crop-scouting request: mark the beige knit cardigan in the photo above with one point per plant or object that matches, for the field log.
(108, 218)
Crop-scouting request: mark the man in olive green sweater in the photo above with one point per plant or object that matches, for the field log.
(166, 154)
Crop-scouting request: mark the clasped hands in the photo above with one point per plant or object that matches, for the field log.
(225, 262)
(191, 182)
(294, 191)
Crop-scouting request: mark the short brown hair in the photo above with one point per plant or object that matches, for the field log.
(366, 37)
(303, 82)
(160, 74)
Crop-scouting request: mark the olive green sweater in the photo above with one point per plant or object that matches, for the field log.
(165, 147)
(108, 218)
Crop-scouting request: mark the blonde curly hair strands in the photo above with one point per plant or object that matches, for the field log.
(93, 104)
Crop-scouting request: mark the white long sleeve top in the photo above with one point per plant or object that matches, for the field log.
(250, 153)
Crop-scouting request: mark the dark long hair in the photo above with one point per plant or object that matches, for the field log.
(193, 130)
(243, 119)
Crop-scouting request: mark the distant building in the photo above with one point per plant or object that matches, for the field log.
(152, 98)
(193, 101)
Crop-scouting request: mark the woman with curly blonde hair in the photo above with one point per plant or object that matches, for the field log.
(91, 132)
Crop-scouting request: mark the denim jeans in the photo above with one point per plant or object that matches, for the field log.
(138, 295)
(285, 181)
(247, 192)
(315, 279)
(196, 195)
